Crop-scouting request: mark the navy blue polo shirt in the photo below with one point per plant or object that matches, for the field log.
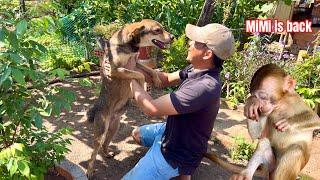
(186, 135)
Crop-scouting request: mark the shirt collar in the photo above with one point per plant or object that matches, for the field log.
(193, 74)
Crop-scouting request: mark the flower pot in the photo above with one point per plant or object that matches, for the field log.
(67, 170)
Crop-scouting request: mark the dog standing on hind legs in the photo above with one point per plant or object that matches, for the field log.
(115, 89)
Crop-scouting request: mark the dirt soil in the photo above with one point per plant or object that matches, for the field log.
(229, 123)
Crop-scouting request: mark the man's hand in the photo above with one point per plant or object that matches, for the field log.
(251, 108)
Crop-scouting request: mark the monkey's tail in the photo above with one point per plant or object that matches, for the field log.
(233, 168)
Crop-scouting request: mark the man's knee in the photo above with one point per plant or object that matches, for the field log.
(184, 177)
(136, 135)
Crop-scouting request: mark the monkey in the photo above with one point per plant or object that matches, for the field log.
(285, 125)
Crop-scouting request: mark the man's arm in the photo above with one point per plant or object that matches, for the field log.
(149, 106)
(169, 79)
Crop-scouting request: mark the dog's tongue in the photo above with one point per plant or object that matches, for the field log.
(160, 44)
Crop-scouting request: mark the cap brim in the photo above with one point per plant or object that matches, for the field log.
(194, 33)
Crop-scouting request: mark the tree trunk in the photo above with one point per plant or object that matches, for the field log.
(206, 13)
(22, 7)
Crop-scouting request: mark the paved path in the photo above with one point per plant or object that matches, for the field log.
(229, 124)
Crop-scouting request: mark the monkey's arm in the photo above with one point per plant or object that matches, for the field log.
(305, 121)
(251, 108)
(257, 128)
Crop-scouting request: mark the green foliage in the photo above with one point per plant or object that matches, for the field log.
(307, 72)
(14, 160)
(233, 14)
(175, 56)
(78, 25)
(239, 69)
(39, 9)
(243, 150)
(63, 54)
(69, 5)
(238, 93)
(86, 82)
(173, 14)
(311, 96)
(308, 80)
(27, 148)
(106, 30)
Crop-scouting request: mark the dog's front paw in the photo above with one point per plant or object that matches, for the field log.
(157, 82)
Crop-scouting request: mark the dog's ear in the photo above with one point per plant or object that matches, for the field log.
(135, 35)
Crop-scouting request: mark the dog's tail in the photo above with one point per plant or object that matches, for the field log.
(91, 113)
(233, 168)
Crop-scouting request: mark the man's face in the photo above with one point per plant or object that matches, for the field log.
(196, 51)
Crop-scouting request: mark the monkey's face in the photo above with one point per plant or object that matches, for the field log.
(269, 93)
(266, 106)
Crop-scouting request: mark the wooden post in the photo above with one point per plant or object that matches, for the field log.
(206, 13)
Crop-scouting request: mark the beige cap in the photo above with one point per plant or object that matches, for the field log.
(217, 37)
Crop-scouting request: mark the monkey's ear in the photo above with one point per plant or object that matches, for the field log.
(289, 84)
(135, 34)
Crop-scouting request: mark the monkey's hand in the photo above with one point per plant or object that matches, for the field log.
(251, 108)
(282, 125)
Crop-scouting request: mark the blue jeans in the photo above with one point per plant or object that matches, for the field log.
(152, 165)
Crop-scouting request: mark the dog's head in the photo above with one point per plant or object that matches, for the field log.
(145, 33)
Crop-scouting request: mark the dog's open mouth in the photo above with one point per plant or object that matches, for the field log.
(160, 44)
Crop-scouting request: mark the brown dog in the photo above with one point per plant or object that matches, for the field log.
(115, 90)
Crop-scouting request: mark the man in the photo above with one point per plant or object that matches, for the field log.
(177, 146)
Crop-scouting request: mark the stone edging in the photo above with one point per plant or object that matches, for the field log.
(76, 172)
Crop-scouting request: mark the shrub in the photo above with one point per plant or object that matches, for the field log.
(27, 148)
(107, 31)
(308, 80)
(239, 69)
(243, 150)
(174, 15)
(175, 56)
(63, 54)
